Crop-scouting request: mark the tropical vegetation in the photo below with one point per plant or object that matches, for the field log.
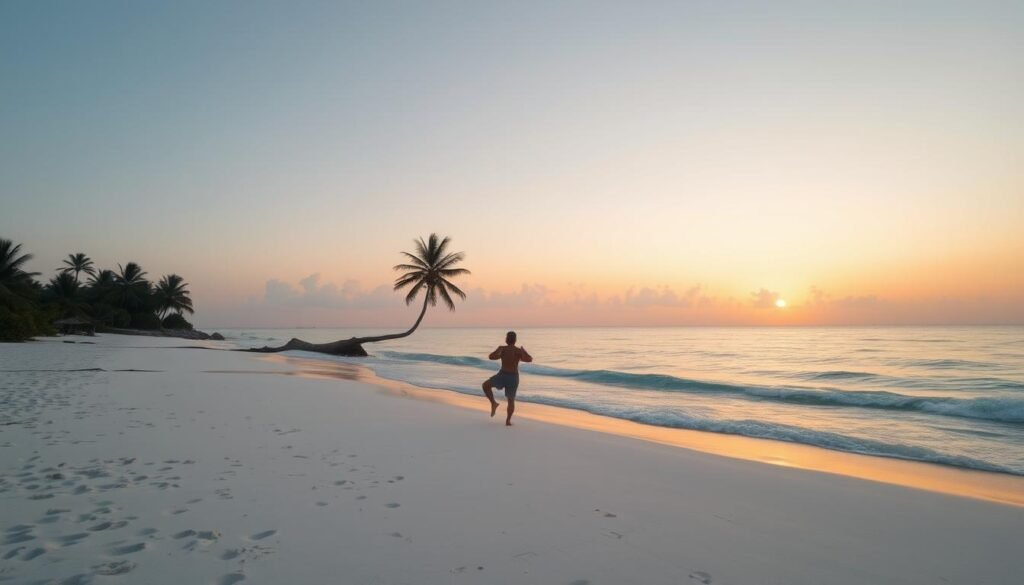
(113, 299)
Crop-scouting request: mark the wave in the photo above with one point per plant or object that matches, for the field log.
(921, 382)
(999, 409)
(780, 432)
(844, 375)
(949, 364)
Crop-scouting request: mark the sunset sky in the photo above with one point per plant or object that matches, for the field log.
(620, 163)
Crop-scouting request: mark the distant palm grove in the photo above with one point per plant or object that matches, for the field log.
(122, 298)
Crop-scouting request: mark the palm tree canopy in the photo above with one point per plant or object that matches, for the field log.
(131, 280)
(11, 261)
(172, 295)
(131, 273)
(429, 269)
(102, 279)
(103, 287)
(63, 286)
(77, 263)
(12, 273)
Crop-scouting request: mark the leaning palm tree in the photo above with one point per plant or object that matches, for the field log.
(77, 263)
(12, 273)
(171, 295)
(428, 270)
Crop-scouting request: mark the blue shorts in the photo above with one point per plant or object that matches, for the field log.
(507, 380)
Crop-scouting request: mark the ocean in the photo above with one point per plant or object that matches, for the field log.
(946, 395)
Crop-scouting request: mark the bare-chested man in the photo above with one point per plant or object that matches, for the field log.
(508, 376)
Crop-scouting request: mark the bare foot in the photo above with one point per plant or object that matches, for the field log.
(508, 423)
(494, 407)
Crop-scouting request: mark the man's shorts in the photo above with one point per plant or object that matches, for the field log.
(507, 380)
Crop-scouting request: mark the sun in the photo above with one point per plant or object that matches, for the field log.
(780, 303)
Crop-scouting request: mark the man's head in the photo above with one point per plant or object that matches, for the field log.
(510, 338)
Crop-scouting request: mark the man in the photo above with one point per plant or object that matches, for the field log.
(508, 376)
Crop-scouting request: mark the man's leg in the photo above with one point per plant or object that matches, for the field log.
(490, 396)
(511, 408)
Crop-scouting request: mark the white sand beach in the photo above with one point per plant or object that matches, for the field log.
(126, 460)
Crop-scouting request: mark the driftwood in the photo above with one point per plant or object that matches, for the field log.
(352, 346)
(341, 347)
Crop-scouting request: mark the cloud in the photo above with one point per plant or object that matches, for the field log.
(816, 297)
(661, 297)
(856, 302)
(820, 299)
(764, 299)
(527, 295)
(311, 294)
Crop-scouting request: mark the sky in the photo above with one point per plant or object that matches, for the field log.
(599, 163)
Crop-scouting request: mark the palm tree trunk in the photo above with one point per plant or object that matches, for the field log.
(396, 335)
(351, 347)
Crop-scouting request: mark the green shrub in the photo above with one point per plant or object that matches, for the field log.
(112, 317)
(145, 321)
(15, 326)
(21, 318)
(176, 321)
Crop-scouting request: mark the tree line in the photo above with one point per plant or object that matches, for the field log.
(124, 298)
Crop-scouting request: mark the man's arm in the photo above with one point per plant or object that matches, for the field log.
(526, 357)
(496, 354)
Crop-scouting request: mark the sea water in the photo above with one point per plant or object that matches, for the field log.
(948, 395)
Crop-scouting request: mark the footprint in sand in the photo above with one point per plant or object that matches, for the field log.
(393, 505)
(72, 539)
(16, 537)
(700, 577)
(29, 555)
(208, 535)
(231, 579)
(262, 535)
(114, 568)
(128, 549)
(229, 554)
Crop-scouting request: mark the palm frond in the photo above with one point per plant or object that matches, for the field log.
(416, 260)
(450, 260)
(452, 288)
(408, 267)
(404, 281)
(409, 298)
(446, 298)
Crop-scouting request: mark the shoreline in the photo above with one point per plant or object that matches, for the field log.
(167, 466)
(1003, 488)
